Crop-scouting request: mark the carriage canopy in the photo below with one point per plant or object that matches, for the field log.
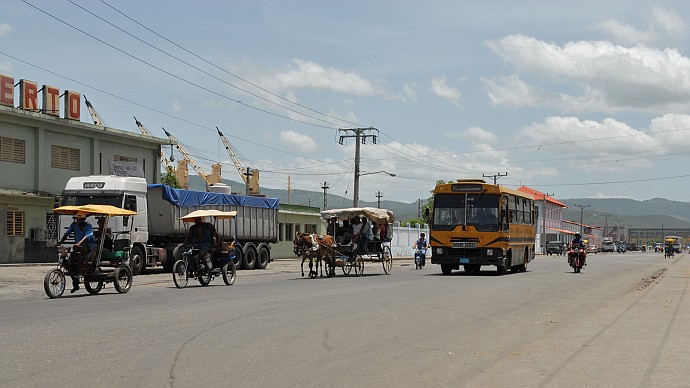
(100, 210)
(374, 214)
(208, 213)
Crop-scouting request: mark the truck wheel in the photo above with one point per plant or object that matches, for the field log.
(263, 258)
(137, 261)
(249, 259)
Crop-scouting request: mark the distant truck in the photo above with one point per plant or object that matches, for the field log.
(158, 234)
(555, 247)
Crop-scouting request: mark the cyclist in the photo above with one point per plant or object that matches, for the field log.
(203, 236)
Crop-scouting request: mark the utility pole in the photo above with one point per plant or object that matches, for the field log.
(543, 221)
(495, 176)
(378, 199)
(360, 138)
(419, 208)
(325, 188)
(582, 207)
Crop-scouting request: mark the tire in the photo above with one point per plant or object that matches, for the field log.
(347, 267)
(137, 260)
(523, 267)
(249, 259)
(501, 270)
(180, 274)
(168, 265)
(229, 273)
(54, 283)
(93, 287)
(359, 266)
(204, 276)
(123, 279)
(263, 258)
(446, 269)
(387, 260)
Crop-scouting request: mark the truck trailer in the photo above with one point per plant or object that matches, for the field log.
(156, 234)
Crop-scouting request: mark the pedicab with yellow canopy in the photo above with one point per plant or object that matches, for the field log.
(97, 267)
(222, 255)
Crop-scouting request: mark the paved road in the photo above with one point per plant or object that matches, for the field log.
(622, 322)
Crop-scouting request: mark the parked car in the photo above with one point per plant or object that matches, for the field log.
(591, 248)
(555, 247)
(608, 246)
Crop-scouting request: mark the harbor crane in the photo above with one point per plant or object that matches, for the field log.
(97, 119)
(167, 163)
(250, 176)
(209, 179)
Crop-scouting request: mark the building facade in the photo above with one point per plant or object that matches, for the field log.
(40, 152)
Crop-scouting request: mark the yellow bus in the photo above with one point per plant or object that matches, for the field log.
(474, 223)
(676, 243)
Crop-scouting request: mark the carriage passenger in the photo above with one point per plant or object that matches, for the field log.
(367, 232)
(344, 234)
(356, 230)
(332, 226)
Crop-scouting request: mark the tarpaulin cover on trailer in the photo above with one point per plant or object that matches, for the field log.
(184, 198)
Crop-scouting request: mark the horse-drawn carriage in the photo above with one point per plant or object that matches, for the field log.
(98, 267)
(346, 249)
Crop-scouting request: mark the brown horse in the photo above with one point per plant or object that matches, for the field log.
(314, 247)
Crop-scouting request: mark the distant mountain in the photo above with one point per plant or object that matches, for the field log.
(403, 211)
(651, 213)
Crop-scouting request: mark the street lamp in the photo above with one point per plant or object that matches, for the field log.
(355, 198)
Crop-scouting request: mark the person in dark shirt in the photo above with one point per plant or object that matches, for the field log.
(203, 236)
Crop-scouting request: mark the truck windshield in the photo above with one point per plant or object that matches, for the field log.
(81, 199)
(478, 210)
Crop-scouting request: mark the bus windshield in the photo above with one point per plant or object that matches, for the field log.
(478, 210)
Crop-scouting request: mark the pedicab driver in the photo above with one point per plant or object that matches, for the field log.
(85, 242)
(202, 235)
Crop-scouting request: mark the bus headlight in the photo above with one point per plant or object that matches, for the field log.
(489, 252)
(439, 251)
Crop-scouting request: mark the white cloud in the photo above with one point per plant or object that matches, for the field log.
(475, 134)
(440, 87)
(6, 67)
(296, 141)
(5, 29)
(607, 76)
(664, 27)
(176, 106)
(309, 74)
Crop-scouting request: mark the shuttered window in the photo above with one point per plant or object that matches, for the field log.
(12, 150)
(15, 223)
(64, 157)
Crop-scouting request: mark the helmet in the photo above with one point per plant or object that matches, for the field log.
(577, 235)
(81, 215)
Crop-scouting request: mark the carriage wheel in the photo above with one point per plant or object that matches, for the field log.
(387, 260)
(93, 287)
(347, 267)
(229, 273)
(359, 266)
(204, 276)
(54, 283)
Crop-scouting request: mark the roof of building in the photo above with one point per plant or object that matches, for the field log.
(538, 195)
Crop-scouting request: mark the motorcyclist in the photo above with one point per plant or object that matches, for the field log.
(202, 235)
(578, 243)
(421, 245)
(85, 245)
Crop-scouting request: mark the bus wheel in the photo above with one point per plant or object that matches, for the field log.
(501, 269)
(446, 269)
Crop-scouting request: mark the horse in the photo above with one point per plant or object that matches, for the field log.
(314, 246)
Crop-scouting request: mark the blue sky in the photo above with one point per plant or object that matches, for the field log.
(578, 99)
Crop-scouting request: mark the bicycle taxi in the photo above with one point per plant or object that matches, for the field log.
(355, 251)
(97, 268)
(222, 253)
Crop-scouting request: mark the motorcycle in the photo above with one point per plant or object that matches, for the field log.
(419, 258)
(577, 257)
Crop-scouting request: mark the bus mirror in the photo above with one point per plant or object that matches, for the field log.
(426, 213)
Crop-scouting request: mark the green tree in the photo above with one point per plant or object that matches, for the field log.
(170, 180)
